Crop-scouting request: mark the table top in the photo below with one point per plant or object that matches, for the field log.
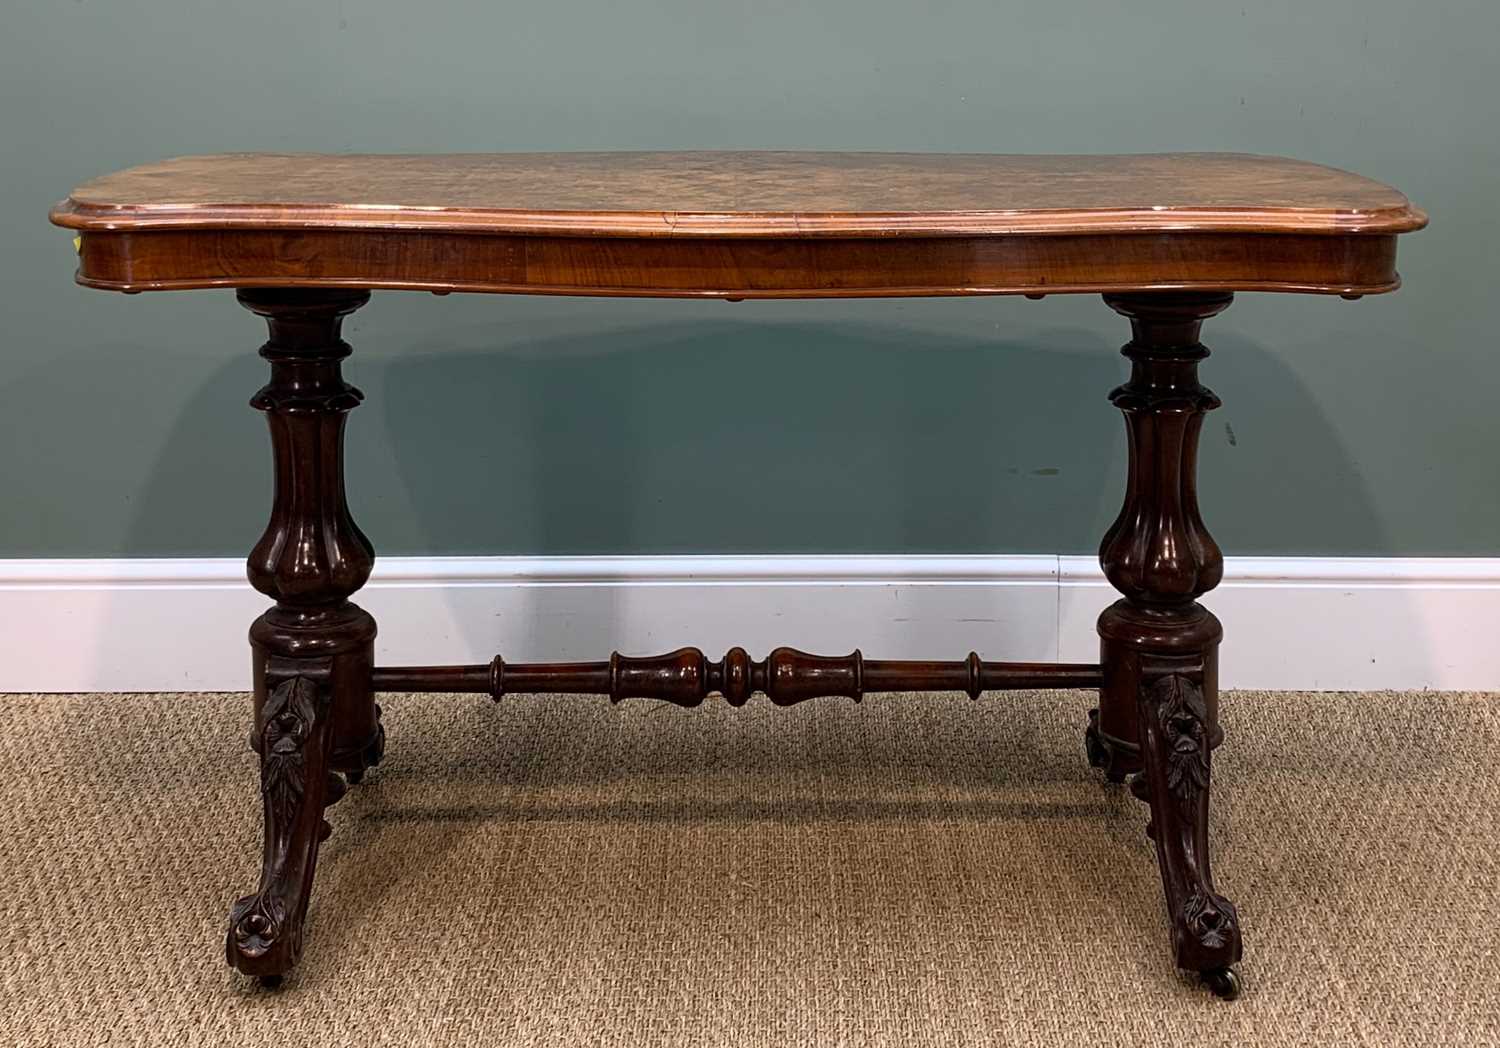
(740, 225)
(742, 194)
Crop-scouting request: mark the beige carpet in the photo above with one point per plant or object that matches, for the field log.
(918, 871)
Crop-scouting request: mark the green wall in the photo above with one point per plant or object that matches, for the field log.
(509, 425)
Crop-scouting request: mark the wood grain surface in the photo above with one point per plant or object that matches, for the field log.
(740, 225)
(746, 194)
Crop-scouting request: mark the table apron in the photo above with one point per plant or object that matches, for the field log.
(738, 267)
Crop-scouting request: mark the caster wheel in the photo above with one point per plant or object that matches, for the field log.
(271, 982)
(1223, 983)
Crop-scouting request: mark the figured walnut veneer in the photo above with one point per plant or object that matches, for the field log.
(740, 225)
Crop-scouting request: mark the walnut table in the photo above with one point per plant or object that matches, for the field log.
(1166, 239)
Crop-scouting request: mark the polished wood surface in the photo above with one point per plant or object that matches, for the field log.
(746, 194)
(1168, 239)
(1159, 704)
(740, 225)
(737, 268)
(786, 676)
(315, 716)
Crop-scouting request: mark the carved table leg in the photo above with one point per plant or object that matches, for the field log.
(1158, 711)
(315, 714)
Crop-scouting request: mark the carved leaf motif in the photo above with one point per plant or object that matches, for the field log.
(1183, 715)
(282, 783)
(265, 929)
(288, 722)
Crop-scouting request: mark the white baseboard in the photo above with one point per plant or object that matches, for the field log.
(1316, 623)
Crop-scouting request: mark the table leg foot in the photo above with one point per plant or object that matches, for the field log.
(1158, 707)
(315, 712)
(265, 929)
(1175, 741)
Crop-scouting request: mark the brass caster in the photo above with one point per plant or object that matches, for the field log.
(1223, 983)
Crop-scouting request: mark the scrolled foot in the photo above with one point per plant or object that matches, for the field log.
(1175, 720)
(261, 941)
(264, 938)
(1224, 983)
